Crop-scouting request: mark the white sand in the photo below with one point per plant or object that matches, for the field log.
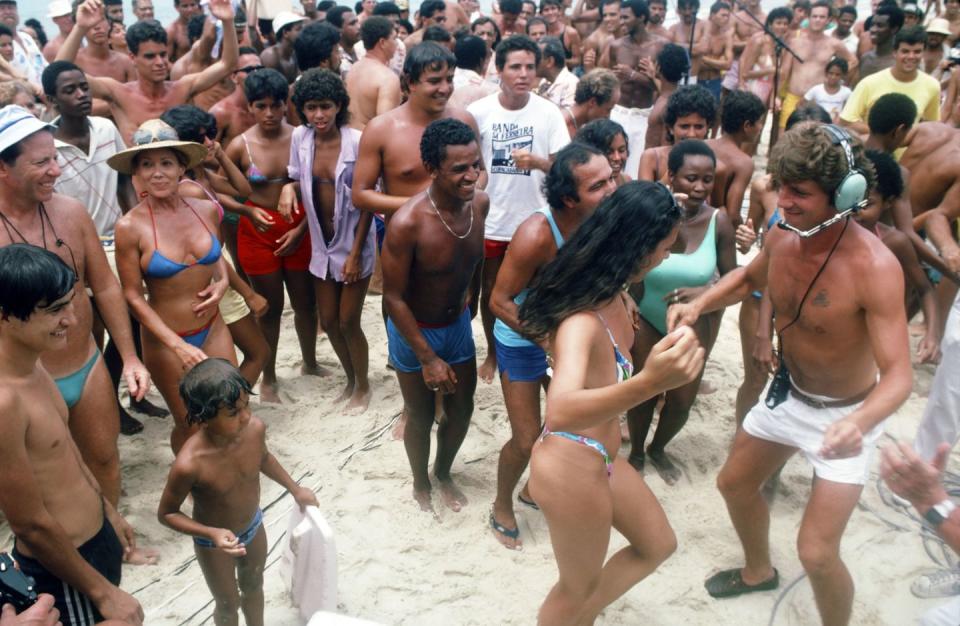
(400, 566)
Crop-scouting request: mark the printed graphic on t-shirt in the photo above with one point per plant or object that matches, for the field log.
(505, 138)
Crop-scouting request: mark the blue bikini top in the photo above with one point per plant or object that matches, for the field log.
(161, 266)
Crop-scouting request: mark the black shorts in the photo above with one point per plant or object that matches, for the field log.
(103, 552)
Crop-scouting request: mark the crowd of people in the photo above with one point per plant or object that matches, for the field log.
(581, 177)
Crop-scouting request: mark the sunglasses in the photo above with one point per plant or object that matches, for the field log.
(248, 69)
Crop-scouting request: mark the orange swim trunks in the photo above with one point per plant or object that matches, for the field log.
(256, 250)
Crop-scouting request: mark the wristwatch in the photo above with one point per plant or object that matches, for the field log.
(939, 512)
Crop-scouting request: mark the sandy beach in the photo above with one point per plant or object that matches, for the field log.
(398, 565)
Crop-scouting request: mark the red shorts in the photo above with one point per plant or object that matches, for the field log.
(494, 249)
(255, 250)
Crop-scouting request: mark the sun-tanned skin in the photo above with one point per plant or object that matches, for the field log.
(373, 87)
(183, 229)
(737, 166)
(597, 42)
(97, 59)
(816, 49)
(586, 17)
(680, 35)
(849, 331)
(178, 42)
(556, 27)
(744, 27)
(135, 102)
(280, 56)
(233, 112)
(50, 498)
(24, 188)
(631, 57)
(717, 46)
(427, 278)
(220, 467)
(532, 247)
(198, 58)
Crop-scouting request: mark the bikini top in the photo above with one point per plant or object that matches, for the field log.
(624, 366)
(161, 266)
(254, 175)
(209, 195)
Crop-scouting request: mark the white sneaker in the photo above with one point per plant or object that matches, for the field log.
(939, 583)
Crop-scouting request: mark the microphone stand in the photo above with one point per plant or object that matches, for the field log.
(780, 46)
(693, 30)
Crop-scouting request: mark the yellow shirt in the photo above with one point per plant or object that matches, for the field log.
(924, 90)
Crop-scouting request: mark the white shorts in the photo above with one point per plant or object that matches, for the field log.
(801, 426)
(634, 122)
(941, 418)
(947, 614)
(233, 307)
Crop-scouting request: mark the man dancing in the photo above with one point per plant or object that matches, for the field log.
(845, 362)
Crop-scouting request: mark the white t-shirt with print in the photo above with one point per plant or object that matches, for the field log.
(831, 102)
(515, 193)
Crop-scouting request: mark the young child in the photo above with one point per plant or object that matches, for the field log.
(831, 94)
(220, 466)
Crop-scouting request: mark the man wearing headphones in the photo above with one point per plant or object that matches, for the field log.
(844, 361)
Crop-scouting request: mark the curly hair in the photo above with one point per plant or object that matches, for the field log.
(690, 99)
(318, 85)
(440, 134)
(560, 182)
(673, 62)
(315, 44)
(807, 152)
(888, 175)
(211, 385)
(265, 83)
(612, 245)
(739, 108)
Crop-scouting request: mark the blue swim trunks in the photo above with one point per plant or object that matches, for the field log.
(523, 364)
(453, 344)
(381, 227)
(244, 537)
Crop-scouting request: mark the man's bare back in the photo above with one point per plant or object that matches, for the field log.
(933, 159)
(373, 88)
(828, 350)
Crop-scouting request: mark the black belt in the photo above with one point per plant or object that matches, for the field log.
(830, 404)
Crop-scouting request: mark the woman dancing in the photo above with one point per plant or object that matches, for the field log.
(705, 245)
(167, 242)
(576, 477)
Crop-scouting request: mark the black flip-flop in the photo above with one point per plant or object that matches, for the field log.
(529, 503)
(512, 533)
(729, 584)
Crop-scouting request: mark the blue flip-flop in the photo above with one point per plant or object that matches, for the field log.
(512, 533)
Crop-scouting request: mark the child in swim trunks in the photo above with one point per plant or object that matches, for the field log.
(220, 466)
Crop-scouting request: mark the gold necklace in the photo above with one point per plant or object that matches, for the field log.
(445, 225)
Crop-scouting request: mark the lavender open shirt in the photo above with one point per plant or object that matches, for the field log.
(327, 260)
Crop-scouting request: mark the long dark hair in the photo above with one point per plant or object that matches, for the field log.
(608, 248)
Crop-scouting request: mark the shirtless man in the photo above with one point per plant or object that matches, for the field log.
(631, 58)
(884, 24)
(199, 58)
(61, 15)
(717, 49)
(345, 20)
(143, 9)
(508, 20)
(97, 59)
(552, 13)
(579, 179)
(432, 251)
(178, 43)
(816, 49)
(596, 94)
(744, 29)
(233, 112)
(848, 355)
(673, 64)
(29, 210)
(679, 33)
(280, 56)
(432, 13)
(658, 13)
(135, 102)
(373, 87)
(741, 120)
(50, 498)
(586, 17)
(598, 41)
